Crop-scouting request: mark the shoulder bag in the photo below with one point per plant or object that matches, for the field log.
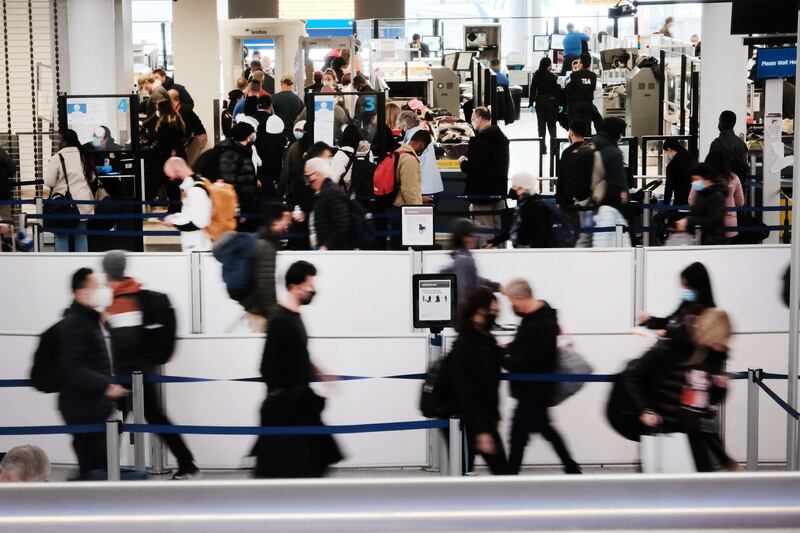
(64, 213)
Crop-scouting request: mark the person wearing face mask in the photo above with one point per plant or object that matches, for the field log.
(195, 213)
(232, 161)
(696, 297)
(486, 168)
(533, 351)
(678, 385)
(329, 79)
(102, 140)
(474, 378)
(532, 225)
(288, 371)
(129, 348)
(679, 182)
(708, 210)
(330, 218)
(88, 390)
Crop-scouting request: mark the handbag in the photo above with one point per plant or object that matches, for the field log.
(65, 206)
(569, 362)
(667, 453)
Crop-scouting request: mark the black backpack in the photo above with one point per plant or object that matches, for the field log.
(158, 327)
(46, 372)
(361, 178)
(562, 232)
(434, 402)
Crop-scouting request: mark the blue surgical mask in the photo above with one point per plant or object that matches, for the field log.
(298, 134)
(669, 158)
(96, 142)
(698, 185)
(688, 295)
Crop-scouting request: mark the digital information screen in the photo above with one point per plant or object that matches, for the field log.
(435, 302)
(776, 63)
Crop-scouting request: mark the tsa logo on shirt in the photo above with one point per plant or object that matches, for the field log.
(77, 108)
(586, 81)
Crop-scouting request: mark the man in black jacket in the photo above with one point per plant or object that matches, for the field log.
(486, 167)
(580, 93)
(610, 177)
(679, 182)
(533, 351)
(88, 390)
(732, 145)
(232, 161)
(574, 184)
(330, 219)
(169, 83)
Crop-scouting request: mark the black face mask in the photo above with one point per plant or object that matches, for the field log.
(308, 298)
(512, 194)
(491, 321)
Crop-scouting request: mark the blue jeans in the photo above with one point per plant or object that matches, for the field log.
(81, 241)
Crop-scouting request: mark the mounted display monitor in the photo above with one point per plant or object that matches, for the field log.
(750, 17)
(776, 63)
(434, 43)
(435, 302)
(557, 41)
(541, 43)
(464, 62)
(106, 118)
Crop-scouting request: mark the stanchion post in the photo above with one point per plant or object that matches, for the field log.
(698, 235)
(752, 418)
(137, 397)
(37, 238)
(619, 232)
(112, 446)
(646, 218)
(456, 447)
(436, 447)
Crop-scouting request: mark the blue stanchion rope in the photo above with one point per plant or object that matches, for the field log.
(785, 406)
(287, 430)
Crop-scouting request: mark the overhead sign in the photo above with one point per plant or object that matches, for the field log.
(776, 62)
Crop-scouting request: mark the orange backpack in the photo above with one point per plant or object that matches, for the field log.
(224, 205)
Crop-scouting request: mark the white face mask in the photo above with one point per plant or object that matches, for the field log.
(328, 83)
(101, 298)
(298, 134)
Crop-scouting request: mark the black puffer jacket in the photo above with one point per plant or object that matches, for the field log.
(708, 212)
(332, 217)
(85, 366)
(613, 162)
(486, 166)
(475, 375)
(534, 351)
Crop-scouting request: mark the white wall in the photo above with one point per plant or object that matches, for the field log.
(92, 50)
(195, 39)
(723, 78)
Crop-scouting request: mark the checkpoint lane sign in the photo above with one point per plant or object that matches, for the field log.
(435, 302)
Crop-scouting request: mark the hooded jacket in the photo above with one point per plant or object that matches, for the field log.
(487, 163)
(232, 162)
(609, 162)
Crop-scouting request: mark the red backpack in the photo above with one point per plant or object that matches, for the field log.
(385, 182)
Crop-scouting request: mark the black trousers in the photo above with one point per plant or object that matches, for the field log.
(532, 417)
(154, 414)
(708, 451)
(581, 111)
(567, 65)
(497, 462)
(547, 116)
(90, 448)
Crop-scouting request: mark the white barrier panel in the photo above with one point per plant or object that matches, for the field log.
(358, 293)
(581, 419)
(747, 282)
(36, 287)
(348, 402)
(593, 290)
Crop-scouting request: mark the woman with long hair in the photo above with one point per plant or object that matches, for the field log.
(171, 140)
(544, 92)
(696, 296)
(474, 374)
(72, 170)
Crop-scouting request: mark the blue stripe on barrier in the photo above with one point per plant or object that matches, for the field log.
(785, 406)
(120, 216)
(17, 202)
(286, 430)
(53, 430)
